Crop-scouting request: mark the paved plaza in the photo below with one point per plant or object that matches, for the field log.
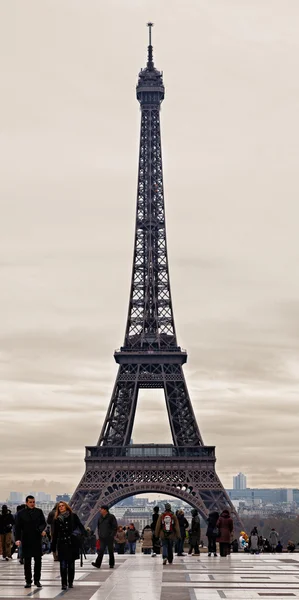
(142, 577)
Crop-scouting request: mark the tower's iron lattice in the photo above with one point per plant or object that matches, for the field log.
(149, 358)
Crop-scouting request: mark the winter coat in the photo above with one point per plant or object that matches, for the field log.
(132, 535)
(212, 522)
(64, 541)
(254, 542)
(120, 537)
(225, 526)
(30, 523)
(107, 526)
(154, 522)
(159, 533)
(6, 522)
(194, 531)
(50, 520)
(147, 538)
(273, 538)
(183, 525)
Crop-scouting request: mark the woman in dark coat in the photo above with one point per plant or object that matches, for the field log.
(225, 526)
(212, 531)
(66, 541)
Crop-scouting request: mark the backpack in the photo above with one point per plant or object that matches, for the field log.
(167, 523)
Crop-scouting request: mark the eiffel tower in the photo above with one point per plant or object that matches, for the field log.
(150, 358)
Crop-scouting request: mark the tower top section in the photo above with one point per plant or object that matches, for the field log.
(150, 89)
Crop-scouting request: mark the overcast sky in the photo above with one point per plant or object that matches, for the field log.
(68, 158)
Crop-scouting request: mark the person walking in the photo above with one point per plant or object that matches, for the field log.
(183, 525)
(20, 556)
(132, 537)
(194, 534)
(107, 528)
(225, 526)
(6, 524)
(212, 532)
(167, 529)
(67, 529)
(50, 521)
(156, 540)
(30, 528)
(273, 539)
(120, 539)
(147, 540)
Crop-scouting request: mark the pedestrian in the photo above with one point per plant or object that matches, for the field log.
(167, 529)
(107, 528)
(261, 543)
(212, 532)
(147, 540)
(279, 547)
(120, 539)
(90, 542)
(291, 546)
(225, 526)
(20, 555)
(50, 521)
(254, 542)
(183, 525)
(30, 528)
(194, 534)
(156, 540)
(66, 540)
(273, 539)
(132, 537)
(6, 524)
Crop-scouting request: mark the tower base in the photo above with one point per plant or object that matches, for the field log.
(117, 472)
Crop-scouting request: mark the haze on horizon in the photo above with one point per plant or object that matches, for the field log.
(69, 150)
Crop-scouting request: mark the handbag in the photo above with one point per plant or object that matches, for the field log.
(216, 532)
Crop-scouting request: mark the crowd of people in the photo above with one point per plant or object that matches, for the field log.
(65, 536)
(255, 543)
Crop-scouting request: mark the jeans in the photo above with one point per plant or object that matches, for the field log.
(167, 549)
(106, 543)
(67, 572)
(212, 544)
(180, 546)
(132, 546)
(37, 568)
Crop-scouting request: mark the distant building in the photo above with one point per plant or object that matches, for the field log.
(63, 498)
(240, 482)
(16, 497)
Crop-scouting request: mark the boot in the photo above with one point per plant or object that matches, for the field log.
(63, 573)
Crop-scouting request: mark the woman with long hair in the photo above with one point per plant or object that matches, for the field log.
(66, 540)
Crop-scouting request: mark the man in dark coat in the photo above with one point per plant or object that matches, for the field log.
(194, 533)
(156, 541)
(212, 532)
(183, 524)
(30, 527)
(107, 528)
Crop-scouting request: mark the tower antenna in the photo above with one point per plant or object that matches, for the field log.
(150, 62)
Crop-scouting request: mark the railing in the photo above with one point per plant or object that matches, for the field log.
(150, 451)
